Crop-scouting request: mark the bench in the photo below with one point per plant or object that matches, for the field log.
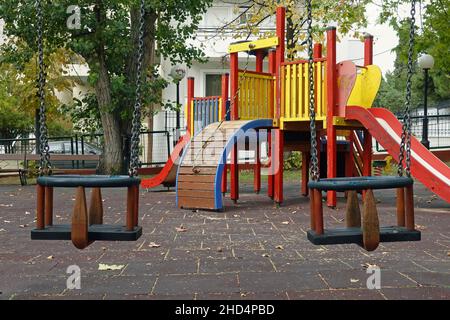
(22, 172)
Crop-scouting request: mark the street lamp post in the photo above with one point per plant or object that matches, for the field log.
(426, 62)
(177, 73)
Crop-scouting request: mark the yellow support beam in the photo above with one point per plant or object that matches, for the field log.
(253, 45)
(341, 122)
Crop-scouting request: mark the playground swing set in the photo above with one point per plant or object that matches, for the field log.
(297, 103)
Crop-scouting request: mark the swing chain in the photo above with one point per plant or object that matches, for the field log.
(406, 127)
(44, 163)
(136, 122)
(314, 167)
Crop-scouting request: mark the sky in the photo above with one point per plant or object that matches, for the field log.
(385, 39)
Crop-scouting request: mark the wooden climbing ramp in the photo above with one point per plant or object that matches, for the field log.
(201, 167)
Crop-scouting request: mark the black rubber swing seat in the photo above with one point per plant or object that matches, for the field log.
(96, 232)
(354, 235)
(361, 183)
(92, 181)
(105, 232)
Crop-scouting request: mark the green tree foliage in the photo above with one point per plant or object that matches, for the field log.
(107, 42)
(13, 121)
(432, 37)
(250, 16)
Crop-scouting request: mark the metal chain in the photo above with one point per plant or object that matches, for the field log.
(136, 123)
(44, 163)
(406, 127)
(232, 101)
(314, 166)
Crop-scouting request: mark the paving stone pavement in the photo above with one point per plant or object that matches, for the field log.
(252, 250)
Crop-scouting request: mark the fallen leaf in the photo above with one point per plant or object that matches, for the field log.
(280, 247)
(354, 280)
(27, 212)
(23, 225)
(295, 211)
(5, 205)
(1, 230)
(368, 265)
(448, 253)
(6, 221)
(154, 245)
(181, 228)
(285, 222)
(109, 267)
(420, 227)
(50, 257)
(219, 250)
(265, 255)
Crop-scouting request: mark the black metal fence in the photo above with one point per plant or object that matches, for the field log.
(170, 122)
(438, 130)
(86, 144)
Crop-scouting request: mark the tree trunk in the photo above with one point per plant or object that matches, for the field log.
(290, 43)
(111, 161)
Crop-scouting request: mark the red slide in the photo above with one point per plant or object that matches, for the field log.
(387, 130)
(167, 176)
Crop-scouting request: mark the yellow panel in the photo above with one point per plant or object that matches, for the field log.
(244, 97)
(283, 95)
(366, 87)
(220, 110)
(301, 104)
(253, 45)
(319, 87)
(306, 90)
(288, 92)
(294, 106)
(324, 96)
(192, 117)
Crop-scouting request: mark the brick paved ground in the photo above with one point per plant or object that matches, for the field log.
(251, 251)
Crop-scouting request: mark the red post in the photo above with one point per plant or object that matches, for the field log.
(234, 82)
(331, 105)
(234, 172)
(280, 29)
(305, 172)
(278, 165)
(257, 168)
(259, 60)
(225, 80)
(279, 136)
(270, 177)
(190, 97)
(367, 147)
(317, 51)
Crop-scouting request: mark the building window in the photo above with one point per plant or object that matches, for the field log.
(213, 85)
(245, 15)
